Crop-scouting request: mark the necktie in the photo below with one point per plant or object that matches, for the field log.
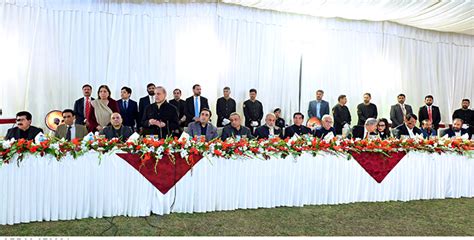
(430, 115)
(366, 135)
(88, 107)
(68, 133)
(196, 108)
(404, 110)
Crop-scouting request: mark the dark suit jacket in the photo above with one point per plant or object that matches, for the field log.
(322, 132)
(142, 104)
(451, 133)
(301, 130)
(166, 113)
(79, 110)
(358, 132)
(403, 130)
(423, 114)
(125, 132)
(229, 131)
(129, 115)
(264, 132)
(189, 109)
(396, 114)
(15, 133)
(323, 108)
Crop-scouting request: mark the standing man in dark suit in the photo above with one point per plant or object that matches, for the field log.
(160, 118)
(399, 111)
(318, 108)
(225, 106)
(366, 110)
(341, 114)
(128, 108)
(180, 105)
(195, 104)
(145, 101)
(409, 128)
(253, 111)
(431, 112)
(82, 105)
(23, 129)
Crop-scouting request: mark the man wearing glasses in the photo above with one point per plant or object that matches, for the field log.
(23, 129)
(70, 129)
(203, 127)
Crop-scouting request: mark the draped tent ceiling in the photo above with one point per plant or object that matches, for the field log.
(445, 16)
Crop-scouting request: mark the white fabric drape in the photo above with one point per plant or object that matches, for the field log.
(449, 16)
(43, 189)
(50, 49)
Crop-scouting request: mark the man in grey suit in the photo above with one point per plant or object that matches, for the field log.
(203, 127)
(70, 129)
(318, 108)
(117, 130)
(399, 111)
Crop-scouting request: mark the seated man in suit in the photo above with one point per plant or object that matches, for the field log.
(369, 130)
(456, 130)
(235, 128)
(297, 126)
(70, 129)
(269, 129)
(117, 129)
(408, 129)
(24, 129)
(326, 127)
(427, 129)
(203, 127)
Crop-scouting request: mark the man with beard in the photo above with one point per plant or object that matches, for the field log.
(180, 105)
(456, 130)
(466, 114)
(399, 111)
(195, 104)
(431, 112)
(341, 114)
(366, 110)
(145, 101)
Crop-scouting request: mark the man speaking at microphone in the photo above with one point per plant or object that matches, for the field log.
(160, 118)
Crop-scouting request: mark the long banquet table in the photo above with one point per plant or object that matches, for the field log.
(44, 189)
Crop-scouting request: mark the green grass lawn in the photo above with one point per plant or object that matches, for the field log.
(419, 218)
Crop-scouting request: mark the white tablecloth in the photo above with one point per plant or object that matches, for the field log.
(43, 189)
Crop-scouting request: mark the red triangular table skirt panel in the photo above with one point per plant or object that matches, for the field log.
(377, 165)
(167, 173)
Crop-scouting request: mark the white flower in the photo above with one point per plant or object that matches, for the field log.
(184, 154)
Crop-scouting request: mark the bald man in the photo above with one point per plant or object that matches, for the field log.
(117, 129)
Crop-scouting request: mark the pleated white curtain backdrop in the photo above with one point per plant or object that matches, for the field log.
(49, 51)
